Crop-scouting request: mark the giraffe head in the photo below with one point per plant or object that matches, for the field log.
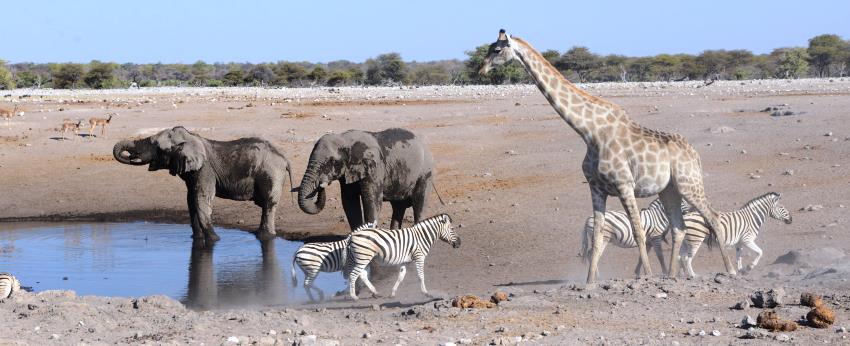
(500, 52)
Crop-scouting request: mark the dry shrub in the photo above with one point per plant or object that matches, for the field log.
(810, 299)
(820, 317)
(770, 320)
(499, 297)
(471, 301)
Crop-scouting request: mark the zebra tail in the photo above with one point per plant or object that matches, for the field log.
(711, 240)
(294, 278)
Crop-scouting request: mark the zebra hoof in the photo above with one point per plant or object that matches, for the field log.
(375, 295)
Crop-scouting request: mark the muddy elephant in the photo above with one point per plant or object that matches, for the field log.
(246, 169)
(371, 167)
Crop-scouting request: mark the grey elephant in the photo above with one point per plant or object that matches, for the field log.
(371, 167)
(246, 169)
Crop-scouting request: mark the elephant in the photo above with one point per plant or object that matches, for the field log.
(243, 169)
(371, 167)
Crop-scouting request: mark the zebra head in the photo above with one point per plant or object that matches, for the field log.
(446, 232)
(777, 211)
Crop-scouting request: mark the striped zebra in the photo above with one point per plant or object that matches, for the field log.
(740, 228)
(618, 229)
(396, 247)
(329, 257)
(8, 285)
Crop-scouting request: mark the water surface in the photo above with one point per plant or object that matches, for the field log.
(138, 259)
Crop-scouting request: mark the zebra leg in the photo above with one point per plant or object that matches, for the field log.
(752, 246)
(739, 256)
(364, 275)
(401, 271)
(672, 201)
(600, 199)
(688, 253)
(656, 245)
(627, 198)
(420, 271)
(308, 284)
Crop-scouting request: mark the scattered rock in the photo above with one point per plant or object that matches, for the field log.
(810, 299)
(715, 332)
(770, 320)
(788, 172)
(742, 305)
(769, 299)
(812, 207)
(782, 337)
(721, 278)
(661, 295)
(753, 333)
(701, 333)
(748, 321)
(721, 129)
(820, 317)
(464, 341)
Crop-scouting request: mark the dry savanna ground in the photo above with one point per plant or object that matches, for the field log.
(509, 170)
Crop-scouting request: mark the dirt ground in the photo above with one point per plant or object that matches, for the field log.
(509, 171)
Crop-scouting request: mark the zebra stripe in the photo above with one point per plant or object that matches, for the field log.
(739, 228)
(329, 257)
(8, 285)
(396, 247)
(618, 230)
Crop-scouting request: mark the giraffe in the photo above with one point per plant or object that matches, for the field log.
(623, 159)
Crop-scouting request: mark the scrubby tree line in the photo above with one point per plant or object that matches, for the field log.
(825, 56)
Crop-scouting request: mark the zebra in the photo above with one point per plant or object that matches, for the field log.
(8, 285)
(329, 257)
(740, 228)
(396, 247)
(619, 229)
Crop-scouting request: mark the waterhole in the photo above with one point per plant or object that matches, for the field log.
(140, 259)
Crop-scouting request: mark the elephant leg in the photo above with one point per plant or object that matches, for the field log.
(372, 198)
(350, 194)
(399, 207)
(202, 190)
(420, 198)
(191, 201)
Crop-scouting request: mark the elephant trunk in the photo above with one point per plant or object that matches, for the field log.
(309, 187)
(139, 152)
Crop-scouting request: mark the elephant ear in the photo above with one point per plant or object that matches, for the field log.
(187, 153)
(362, 162)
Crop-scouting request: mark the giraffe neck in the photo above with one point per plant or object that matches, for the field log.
(577, 107)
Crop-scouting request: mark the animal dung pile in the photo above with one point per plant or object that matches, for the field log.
(472, 301)
(820, 316)
(498, 297)
(8, 285)
(770, 320)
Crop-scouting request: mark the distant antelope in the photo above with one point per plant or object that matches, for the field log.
(67, 124)
(7, 114)
(102, 122)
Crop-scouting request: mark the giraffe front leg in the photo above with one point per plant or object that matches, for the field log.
(600, 199)
(627, 198)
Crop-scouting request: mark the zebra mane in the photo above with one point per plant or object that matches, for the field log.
(753, 202)
(367, 225)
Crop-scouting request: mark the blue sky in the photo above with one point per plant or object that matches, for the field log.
(321, 31)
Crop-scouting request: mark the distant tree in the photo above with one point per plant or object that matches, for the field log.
(289, 74)
(429, 74)
(793, 63)
(234, 75)
(551, 55)
(357, 75)
(260, 74)
(385, 68)
(509, 73)
(339, 77)
(580, 61)
(318, 75)
(200, 73)
(825, 50)
(665, 67)
(6, 79)
(640, 68)
(712, 64)
(100, 75)
(27, 79)
(67, 76)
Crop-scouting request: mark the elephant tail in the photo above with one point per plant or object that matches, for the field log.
(438, 194)
(294, 277)
(587, 233)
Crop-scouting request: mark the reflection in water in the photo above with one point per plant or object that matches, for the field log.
(140, 259)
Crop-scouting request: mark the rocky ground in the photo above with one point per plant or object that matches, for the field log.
(509, 170)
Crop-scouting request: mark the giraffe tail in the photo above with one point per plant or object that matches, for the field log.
(586, 239)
